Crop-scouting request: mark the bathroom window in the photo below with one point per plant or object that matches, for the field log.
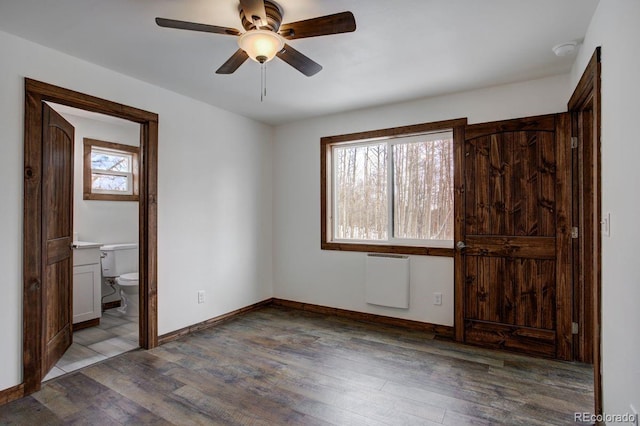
(110, 171)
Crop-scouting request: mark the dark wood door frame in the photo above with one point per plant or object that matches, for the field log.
(585, 107)
(35, 94)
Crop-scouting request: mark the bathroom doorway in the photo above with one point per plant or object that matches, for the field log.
(46, 261)
(105, 320)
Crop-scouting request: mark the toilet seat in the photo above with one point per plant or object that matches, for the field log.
(129, 279)
(129, 297)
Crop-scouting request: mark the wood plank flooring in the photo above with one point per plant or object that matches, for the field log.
(284, 366)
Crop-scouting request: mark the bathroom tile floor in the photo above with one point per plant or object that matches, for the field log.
(115, 335)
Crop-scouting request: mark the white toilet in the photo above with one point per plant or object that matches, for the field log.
(120, 262)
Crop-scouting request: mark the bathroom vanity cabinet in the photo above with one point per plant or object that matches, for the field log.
(87, 288)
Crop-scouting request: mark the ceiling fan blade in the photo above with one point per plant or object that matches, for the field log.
(299, 61)
(325, 25)
(254, 9)
(233, 63)
(193, 26)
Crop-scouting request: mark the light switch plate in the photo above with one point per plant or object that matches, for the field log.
(606, 225)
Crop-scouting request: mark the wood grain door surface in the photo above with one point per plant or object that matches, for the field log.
(57, 230)
(516, 270)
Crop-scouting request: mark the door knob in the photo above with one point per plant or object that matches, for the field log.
(460, 245)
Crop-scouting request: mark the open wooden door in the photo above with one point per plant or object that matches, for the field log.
(57, 234)
(513, 257)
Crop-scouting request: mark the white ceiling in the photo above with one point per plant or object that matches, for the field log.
(66, 111)
(401, 50)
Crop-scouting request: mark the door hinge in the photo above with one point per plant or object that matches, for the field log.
(574, 232)
(574, 142)
(574, 328)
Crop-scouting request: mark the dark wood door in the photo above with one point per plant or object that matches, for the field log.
(57, 230)
(513, 277)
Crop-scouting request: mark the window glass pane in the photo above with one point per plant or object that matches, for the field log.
(109, 182)
(104, 160)
(423, 189)
(360, 176)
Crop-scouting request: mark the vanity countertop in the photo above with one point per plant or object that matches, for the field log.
(84, 245)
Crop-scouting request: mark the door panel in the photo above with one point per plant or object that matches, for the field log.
(514, 264)
(57, 211)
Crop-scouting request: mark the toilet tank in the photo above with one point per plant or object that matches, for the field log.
(118, 259)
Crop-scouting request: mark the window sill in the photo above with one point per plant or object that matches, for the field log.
(110, 197)
(389, 249)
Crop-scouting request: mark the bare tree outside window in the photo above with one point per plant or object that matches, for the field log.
(362, 211)
(423, 190)
(111, 171)
(413, 175)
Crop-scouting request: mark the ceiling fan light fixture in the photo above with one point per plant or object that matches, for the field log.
(261, 45)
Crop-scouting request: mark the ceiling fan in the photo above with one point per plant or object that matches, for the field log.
(264, 37)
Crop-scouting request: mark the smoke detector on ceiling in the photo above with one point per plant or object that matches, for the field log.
(565, 49)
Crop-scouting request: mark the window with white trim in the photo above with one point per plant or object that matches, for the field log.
(110, 171)
(395, 191)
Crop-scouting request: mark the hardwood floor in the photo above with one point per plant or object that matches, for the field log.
(283, 366)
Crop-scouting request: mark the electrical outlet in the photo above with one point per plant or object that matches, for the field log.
(635, 414)
(201, 296)
(437, 298)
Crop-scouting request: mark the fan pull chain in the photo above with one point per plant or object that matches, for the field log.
(263, 81)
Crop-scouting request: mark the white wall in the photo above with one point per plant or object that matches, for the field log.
(303, 272)
(214, 196)
(616, 27)
(105, 222)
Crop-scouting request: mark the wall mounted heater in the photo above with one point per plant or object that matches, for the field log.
(387, 280)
